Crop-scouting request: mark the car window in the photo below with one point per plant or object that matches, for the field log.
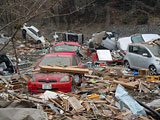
(55, 60)
(33, 31)
(155, 49)
(78, 59)
(143, 50)
(74, 62)
(137, 38)
(65, 47)
(133, 49)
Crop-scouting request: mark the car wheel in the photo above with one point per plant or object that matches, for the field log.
(152, 70)
(38, 42)
(126, 64)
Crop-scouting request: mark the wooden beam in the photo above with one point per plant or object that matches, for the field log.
(64, 69)
(128, 85)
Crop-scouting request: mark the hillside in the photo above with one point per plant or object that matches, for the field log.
(86, 15)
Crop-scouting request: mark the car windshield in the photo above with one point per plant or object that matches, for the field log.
(137, 38)
(55, 60)
(70, 48)
(154, 49)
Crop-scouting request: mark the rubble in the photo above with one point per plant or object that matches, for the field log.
(95, 98)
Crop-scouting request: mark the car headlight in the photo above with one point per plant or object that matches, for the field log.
(65, 79)
(33, 79)
(158, 62)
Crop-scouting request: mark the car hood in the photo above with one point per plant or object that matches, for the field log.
(49, 76)
(157, 58)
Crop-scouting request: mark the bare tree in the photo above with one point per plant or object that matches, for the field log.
(16, 12)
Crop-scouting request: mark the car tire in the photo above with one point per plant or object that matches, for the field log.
(38, 42)
(126, 64)
(152, 70)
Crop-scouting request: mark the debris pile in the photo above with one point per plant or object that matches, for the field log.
(102, 91)
(98, 97)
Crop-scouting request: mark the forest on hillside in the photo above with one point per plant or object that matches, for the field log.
(78, 12)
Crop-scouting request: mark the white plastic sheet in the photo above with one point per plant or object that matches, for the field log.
(129, 101)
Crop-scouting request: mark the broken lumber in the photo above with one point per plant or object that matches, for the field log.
(64, 69)
(76, 104)
(91, 76)
(108, 78)
(128, 85)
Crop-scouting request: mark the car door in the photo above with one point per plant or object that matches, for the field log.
(133, 56)
(33, 33)
(144, 58)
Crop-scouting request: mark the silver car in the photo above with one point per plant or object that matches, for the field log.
(143, 55)
(123, 42)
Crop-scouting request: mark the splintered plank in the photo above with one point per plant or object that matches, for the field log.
(63, 69)
(128, 85)
(75, 104)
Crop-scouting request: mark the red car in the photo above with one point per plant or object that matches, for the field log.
(41, 82)
(67, 47)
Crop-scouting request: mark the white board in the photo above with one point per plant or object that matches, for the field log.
(104, 55)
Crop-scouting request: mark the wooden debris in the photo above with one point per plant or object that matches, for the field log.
(144, 118)
(63, 69)
(128, 85)
(56, 103)
(108, 78)
(75, 104)
(121, 116)
(143, 72)
(87, 106)
(91, 76)
(143, 88)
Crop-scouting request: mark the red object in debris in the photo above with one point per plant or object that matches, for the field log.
(94, 57)
(102, 64)
(41, 82)
(67, 43)
(88, 53)
(66, 47)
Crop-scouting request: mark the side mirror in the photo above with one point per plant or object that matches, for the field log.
(145, 54)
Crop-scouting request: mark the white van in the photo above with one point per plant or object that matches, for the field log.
(34, 33)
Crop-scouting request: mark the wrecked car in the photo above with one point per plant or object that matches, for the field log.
(34, 33)
(67, 47)
(69, 37)
(104, 39)
(143, 55)
(4, 38)
(123, 42)
(41, 82)
(6, 65)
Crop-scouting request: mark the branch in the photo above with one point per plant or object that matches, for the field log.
(76, 10)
